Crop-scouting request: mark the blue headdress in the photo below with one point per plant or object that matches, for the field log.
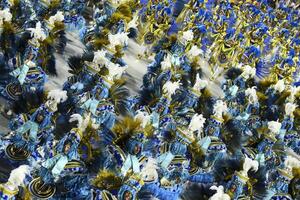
(132, 187)
(43, 110)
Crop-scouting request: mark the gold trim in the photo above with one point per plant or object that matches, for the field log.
(242, 177)
(6, 191)
(285, 173)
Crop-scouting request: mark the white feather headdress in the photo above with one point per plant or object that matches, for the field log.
(5, 16)
(274, 126)
(220, 194)
(251, 93)
(170, 87)
(38, 32)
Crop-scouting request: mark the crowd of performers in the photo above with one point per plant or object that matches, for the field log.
(178, 138)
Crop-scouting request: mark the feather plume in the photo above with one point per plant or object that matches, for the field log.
(76, 64)
(28, 102)
(119, 96)
(17, 176)
(78, 118)
(220, 194)
(107, 180)
(126, 128)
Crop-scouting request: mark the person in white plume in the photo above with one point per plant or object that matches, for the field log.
(239, 180)
(265, 146)
(220, 194)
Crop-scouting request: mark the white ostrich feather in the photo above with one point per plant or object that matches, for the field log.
(194, 52)
(118, 39)
(134, 22)
(279, 86)
(290, 108)
(100, 58)
(200, 84)
(197, 123)
(291, 162)
(78, 118)
(293, 90)
(251, 93)
(149, 171)
(248, 165)
(187, 36)
(58, 17)
(58, 95)
(118, 2)
(170, 87)
(249, 72)
(18, 175)
(37, 32)
(220, 194)
(144, 117)
(240, 65)
(5, 16)
(220, 107)
(166, 63)
(115, 71)
(274, 126)
(85, 122)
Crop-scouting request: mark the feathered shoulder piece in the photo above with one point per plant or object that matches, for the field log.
(124, 12)
(205, 103)
(257, 186)
(28, 101)
(196, 153)
(225, 168)
(125, 129)
(119, 95)
(107, 180)
(76, 65)
(232, 135)
(265, 83)
(297, 117)
(7, 33)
